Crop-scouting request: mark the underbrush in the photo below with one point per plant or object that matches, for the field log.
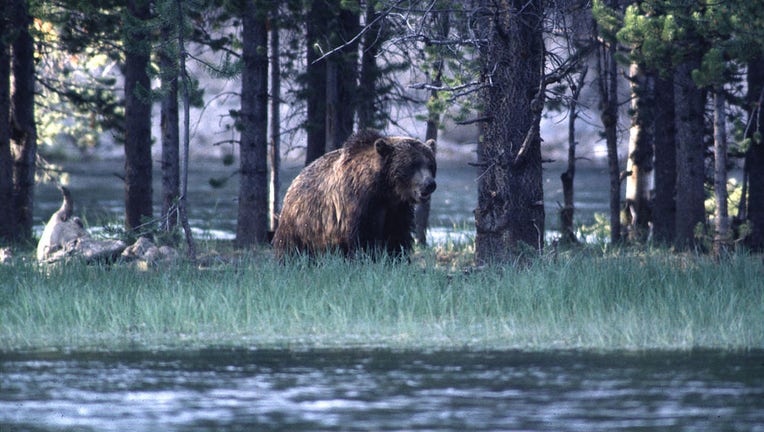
(581, 299)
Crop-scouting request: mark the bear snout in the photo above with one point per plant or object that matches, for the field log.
(426, 189)
(429, 187)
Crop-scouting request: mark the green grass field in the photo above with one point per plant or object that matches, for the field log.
(584, 299)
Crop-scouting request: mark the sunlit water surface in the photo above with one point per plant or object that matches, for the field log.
(248, 390)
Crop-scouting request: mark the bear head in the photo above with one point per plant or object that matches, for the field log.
(410, 167)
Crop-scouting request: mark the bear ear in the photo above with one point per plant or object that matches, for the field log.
(383, 147)
(431, 144)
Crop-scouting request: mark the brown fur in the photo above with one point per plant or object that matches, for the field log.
(358, 198)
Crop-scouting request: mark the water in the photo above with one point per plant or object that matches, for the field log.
(98, 192)
(322, 390)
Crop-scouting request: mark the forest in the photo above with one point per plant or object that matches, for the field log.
(692, 72)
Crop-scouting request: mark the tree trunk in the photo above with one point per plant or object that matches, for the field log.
(183, 198)
(367, 86)
(664, 206)
(274, 155)
(332, 105)
(567, 177)
(608, 89)
(422, 210)
(252, 223)
(689, 103)
(168, 65)
(318, 18)
(7, 209)
(755, 155)
(341, 76)
(509, 217)
(23, 131)
(722, 237)
(138, 166)
(639, 183)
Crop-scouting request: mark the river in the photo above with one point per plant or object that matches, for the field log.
(373, 390)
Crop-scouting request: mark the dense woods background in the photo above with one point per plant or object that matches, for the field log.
(693, 71)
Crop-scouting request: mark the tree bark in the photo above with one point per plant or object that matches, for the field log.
(509, 218)
(274, 149)
(183, 197)
(138, 165)
(608, 90)
(568, 210)
(367, 86)
(168, 65)
(664, 206)
(722, 237)
(755, 155)
(639, 183)
(341, 76)
(689, 104)
(422, 210)
(252, 223)
(318, 18)
(23, 130)
(7, 208)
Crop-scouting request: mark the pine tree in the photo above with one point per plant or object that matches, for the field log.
(7, 208)
(509, 218)
(138, 163)
(23, 130)
(252, 222)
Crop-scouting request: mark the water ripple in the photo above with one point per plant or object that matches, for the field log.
(382, 390)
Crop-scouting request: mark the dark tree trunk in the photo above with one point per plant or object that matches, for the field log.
(639, 183)
(755, 155)
(183, 196)
(367, 86)
(168, 64)
(664, 206)
(509, 217)
(318, 18)
(333, 103)
(608, 90)
(23, 129)
(689, 106)
(722, 237)
(341, 76)
(567, 177)
(252, 223)
(274, 149)
(138, 166)
(422, 211)
(7, 209)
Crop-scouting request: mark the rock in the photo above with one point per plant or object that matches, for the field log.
(139, 249)
(146, 253)
(168, 254)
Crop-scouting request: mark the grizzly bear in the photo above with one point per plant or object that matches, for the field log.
(359, 198)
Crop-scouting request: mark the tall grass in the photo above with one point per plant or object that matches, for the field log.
(576, 300)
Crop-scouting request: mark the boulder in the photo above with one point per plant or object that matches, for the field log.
(146, 252)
